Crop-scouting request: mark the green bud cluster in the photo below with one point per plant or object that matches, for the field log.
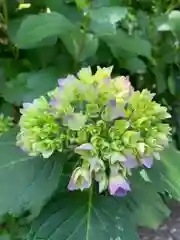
(6, 123)
(40, 133)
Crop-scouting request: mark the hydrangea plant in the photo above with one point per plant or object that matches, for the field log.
(112, 128)
(92, 133)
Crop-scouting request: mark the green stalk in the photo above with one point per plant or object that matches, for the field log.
(89, 211)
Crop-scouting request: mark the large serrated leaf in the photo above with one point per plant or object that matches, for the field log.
(76, 216)
(26, 183)
(36, 28)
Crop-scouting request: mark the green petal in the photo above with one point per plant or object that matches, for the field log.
(77, 121)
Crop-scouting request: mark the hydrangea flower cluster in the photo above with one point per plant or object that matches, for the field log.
(5, 123)
(112, 128)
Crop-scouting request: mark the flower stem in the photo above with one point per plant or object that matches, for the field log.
(89, 211)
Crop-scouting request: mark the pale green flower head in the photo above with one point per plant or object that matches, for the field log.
(111, 128)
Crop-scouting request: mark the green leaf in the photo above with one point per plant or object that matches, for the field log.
(7, 109)
(11, 6)
(104, 19)
(80, 45)
(160, 77)
(133, 44)
(70, 11)
(5, 237)
(39, 83)
(15, 90)
(171, 85)
(36, 28)
(10, 68)
(103, 3)
(26, 183)
(13, 28)
(135, 65)
(144, 175)
(82, 4)
(27, 86)
(76, 216)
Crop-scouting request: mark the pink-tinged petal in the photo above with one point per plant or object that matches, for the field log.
(84, 149)
(85, 146)
(80, 179)
(121, 114)
(121, 192)
(72, 185)
(115, 110)
(96, 164)
(24, 149)
(117, 157)
(112, 103)
(156, 155)
(125, 81)
(131, 162)
(26, 105)
(126, 105)
(102, 180)
(107, 80)
(147, 161)
(115, 168)
(93, 163)
(54, 103)
(63, 81)
(67, 118)
(116, 113)
(117, 185)
(86, 70)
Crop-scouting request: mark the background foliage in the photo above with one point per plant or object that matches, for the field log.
(42, 40)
